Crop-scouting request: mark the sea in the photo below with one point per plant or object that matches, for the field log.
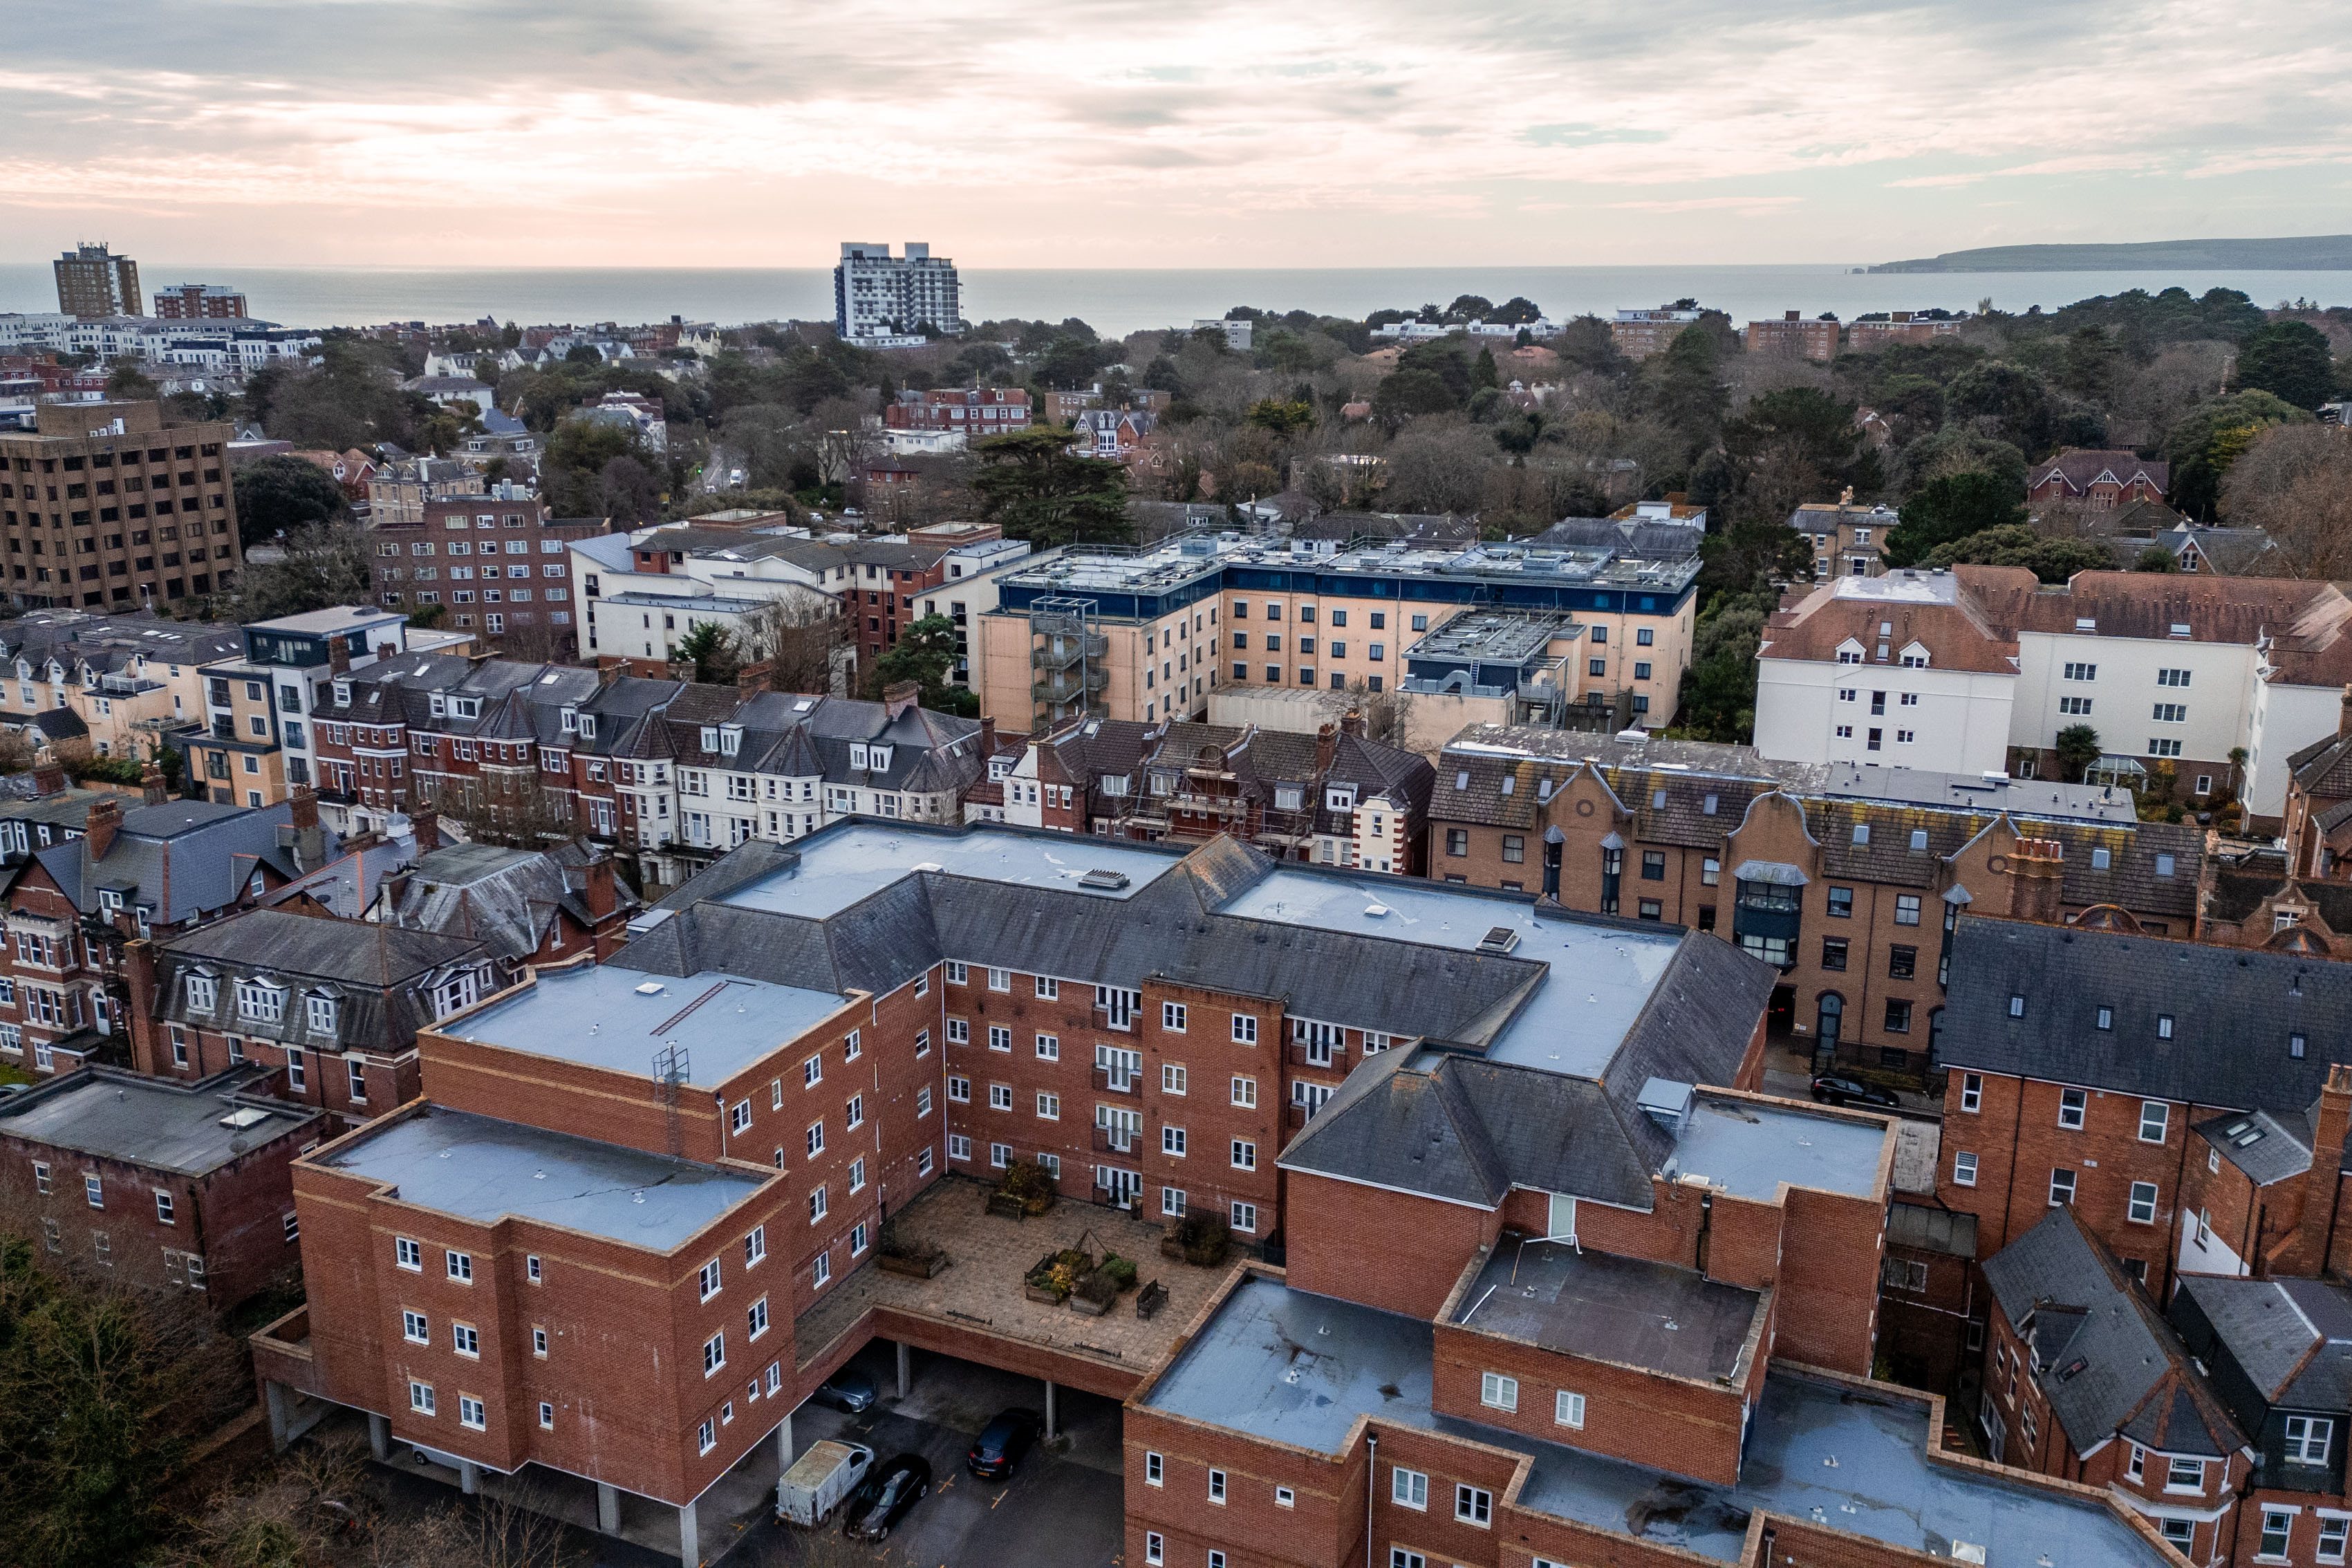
(1115, 302)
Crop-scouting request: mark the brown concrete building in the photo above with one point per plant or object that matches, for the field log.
(106, 505)
(1847, 880)
(183, 1187)
(94, 283)
(200, 302)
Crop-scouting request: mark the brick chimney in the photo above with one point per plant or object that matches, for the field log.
(610, 668)
(139, 975)
(2344, 713)
(756, 676)
(104, 821)
(897, 697)
(1327, 747)
(600, 891)
(1351, 722)
(987, 738)
(152, 790)
(425, 823)
(339, 656)
(302, 808)
(2037, 885)
(48, 778)
(2317, 1227)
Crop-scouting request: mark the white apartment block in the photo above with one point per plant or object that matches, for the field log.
(877, 294)
(1977, 669)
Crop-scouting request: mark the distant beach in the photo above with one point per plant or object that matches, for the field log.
(1121, 302)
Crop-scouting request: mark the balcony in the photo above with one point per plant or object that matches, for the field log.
(1106, 1082)
(1116, 1141)
(1307, 1054)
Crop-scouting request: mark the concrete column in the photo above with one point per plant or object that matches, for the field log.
(784, 1444)
(608, 1509)
(274, 1397)
(379, 1435)
(1050, 1429)
(689, 1537)
(469, 1478)
(906, 1368)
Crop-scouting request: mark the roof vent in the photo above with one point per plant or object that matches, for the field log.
(1103, 881)
(243, 1117)
(1668, 1102)
(651, 988)
(1499, 939)
(1376, 912)
(927, 866)
(1967, 1552)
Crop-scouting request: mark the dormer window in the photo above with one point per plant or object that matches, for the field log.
(710, 737)
(857, 755)
(204, 992)
(110, 900)
(571, 719)
(318, 1013)
(1287, 797)
(342, 694)
(1914, 657)
(1116, 785)
(1849, 652)
(730, 739)
(880, 757)
(260, 1000)
(465, 707)
(587, 726)
(440, 706)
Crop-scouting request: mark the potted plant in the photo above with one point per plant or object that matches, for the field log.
(1025, 1191)
(897, 1254)
(1094, 1293)
(1199, 1239)
(1055, 1275)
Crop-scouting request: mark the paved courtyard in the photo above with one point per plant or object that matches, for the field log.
(981, 1288)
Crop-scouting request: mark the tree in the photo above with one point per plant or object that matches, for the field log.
(628, 491)
(2050, 560)
(573, 476)
(1795, 445)
(17, 754)
(2156, 558)
(323, 566)
(2204, 443)
(2290, 360)
(283, 494)
(1409, 394)
(2078, 747)
(712, 648)
(1283, 419)
(2294, 483)
(1686, 386)
(1036, 489)
(104, 1391)
(1719, 697)
(1483, 375)
(1947, 510)
(924, 654)
(798, 636)
(127, 380)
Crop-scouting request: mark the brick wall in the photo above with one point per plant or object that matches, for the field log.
(1392, 1250)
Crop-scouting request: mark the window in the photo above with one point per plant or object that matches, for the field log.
(2278, 1525)
(1245, 1029)
(2154, 1116)
(1498, 1392)
(546, 1417)
(538, 1340)
(2334, 1530)
(1245, 1218)
(1000, 1097)
(959, 1031)
(1964, 1170)
(714, 1353)
(1654, 865)
(2308, 1439)
(1000, 979)
(1000, 1038)
(1898, 1015)
(2171, 713)
(1833, 952)
(1841, 905)
(2142, 1210)
(1155, 1551)
(710, 1280)
(2164, 1026)
(1155, 1470)
(163, 1208)
(1902, 963)
(1567, 1409)
(1971, 1091)
(1906, 909)
(2184, 1476)
(2071, 1106)
(2074, 705)
(958, 973)
(407, 1253)
(355, 1076)
(1216, 1486)
(1245, 1155)
(814, 1137)
(812, 1072)
(414, 1329)
(461, 1266)
(738, 1120)
(1473, 1505)
(2082, 672)
(706, 1438)
(1403, 1557)
(959, 1146)
(1048, 989)
(420, 1397)
(466, 1340)
(758, 1317)
(2062, 1188)
(818, 1205)
(823, 1269)
(1244, 1091)
(1408, 1489)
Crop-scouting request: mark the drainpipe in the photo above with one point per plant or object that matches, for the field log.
(1372, 1475)
(1706, 1225)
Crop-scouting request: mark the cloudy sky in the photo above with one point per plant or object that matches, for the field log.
(1162, 132)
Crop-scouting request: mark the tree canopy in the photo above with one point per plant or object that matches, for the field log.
(1951, 508)
(282, 494)
(1031, 485)
(2288, 360)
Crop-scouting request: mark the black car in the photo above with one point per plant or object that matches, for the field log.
(1845, 1091)
(883, 1497)
(847, 1389)
(1002, 1442)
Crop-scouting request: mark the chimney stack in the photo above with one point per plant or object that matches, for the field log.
(756, 676)
(48, 778)
(2321, 1186)
(104, 821)
(339, 656)
(302, 805)
(1327, 747)
(897, 697)
(987, 738)
(600, 891)
(425, 823)
(152, 790)
(2344, 713)
(1351, 722)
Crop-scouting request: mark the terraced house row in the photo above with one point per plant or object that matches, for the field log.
(1533, 1274)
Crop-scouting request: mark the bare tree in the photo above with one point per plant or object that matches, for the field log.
(803, 635)
(1388, 713)
(2295, 484)
(497, 809)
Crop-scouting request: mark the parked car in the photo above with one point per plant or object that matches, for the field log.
(1833, 1090)
(1001, 1443)
(883, 1497)
(819, 1480)
(847, 1389)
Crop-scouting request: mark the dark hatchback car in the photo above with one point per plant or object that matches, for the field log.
(847, 1389)
(1001, 1443)
(1845, 1091)
(883, 1497)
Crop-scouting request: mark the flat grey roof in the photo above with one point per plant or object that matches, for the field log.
(602, 1016)
(1750, 1148)
(1602, 976)
(839, 868)
(1848, 1460)
(1627, 1310)
(481, 1169)
(147, 1121)
(1293, 1368)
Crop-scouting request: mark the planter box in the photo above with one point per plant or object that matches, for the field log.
(1086, 1308)
(914, 1267)
(1006, 1207)
(1045, 1293)
(1171, 1248)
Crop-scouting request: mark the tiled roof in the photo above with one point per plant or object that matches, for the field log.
(2084, 466)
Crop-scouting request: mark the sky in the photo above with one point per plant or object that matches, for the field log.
(1124, 133)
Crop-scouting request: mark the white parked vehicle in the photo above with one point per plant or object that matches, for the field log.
(819, 1480)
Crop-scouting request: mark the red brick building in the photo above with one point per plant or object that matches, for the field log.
(495, 563)
(183, 1186)
(2097, 479)
(1794, 337)
(974, 414)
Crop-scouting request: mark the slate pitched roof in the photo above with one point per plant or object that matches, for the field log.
(507, 899)
(180, 858)
(2292, 1338)
(2233, 1013)
(2109, 1360)
(2084, 466)
(380, 977)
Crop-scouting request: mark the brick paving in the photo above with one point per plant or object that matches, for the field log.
(981, 1286)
